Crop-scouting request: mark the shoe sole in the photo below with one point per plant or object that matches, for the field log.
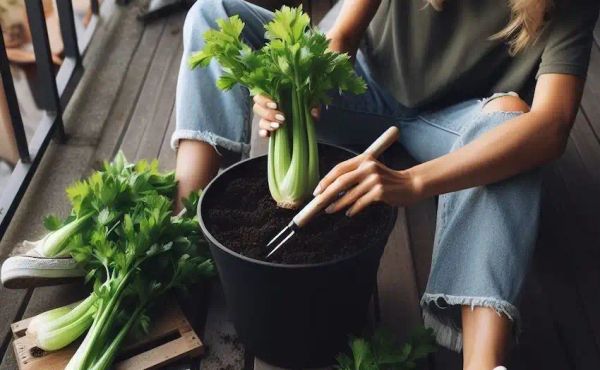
(21, 272)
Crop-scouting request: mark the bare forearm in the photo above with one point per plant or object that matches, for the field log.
(353, 20)
(516, 146)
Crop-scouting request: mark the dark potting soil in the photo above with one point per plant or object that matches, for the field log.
(242, 216)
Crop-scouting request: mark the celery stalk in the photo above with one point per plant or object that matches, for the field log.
(74, 313)
(48, 316)
(53, 244)
(65, 335)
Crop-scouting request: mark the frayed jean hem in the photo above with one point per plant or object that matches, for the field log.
(209, 138)
(447, 332)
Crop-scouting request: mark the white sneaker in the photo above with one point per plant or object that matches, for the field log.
(33, 269)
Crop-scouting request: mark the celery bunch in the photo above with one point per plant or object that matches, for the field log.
(133, 250)
(294, 68)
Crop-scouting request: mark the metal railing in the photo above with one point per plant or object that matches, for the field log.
(56, 89)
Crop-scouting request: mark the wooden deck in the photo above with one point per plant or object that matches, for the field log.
(127, 104)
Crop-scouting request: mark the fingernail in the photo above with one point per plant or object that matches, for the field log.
(317, 190)
(262, 133)
(348, 213)
(271, 105)
(314, 112)
(280, 117)
(330, 208)
(274, 125)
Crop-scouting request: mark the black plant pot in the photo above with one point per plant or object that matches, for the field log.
(294, 316)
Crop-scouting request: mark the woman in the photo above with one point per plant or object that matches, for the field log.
(483, 91)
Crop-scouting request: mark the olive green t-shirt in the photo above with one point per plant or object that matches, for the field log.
(429, 58)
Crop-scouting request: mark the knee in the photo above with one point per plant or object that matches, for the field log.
(506, 103)
(202, 15)
(495, 112)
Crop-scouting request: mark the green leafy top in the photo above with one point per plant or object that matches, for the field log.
(118, 185)
(132, 224)
(295, 57)
(382, 353)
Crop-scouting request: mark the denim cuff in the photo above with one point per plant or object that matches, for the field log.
(210, 138)
(448, 332)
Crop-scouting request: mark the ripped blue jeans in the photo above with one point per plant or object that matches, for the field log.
(484, 235)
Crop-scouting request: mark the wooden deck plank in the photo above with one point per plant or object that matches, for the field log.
(151, 97)
(128, 95)
(539, 345)
(12, 306)
(224, 351)
(542, 343)
(577, 244)
(591, 95)
(166, 155)
(579, 209)
(396, 284)
(597, 33)
(421, 230)
(154, 134)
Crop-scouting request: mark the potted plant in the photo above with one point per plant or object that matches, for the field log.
(297, 308)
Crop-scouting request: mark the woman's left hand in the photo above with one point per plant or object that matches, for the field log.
(367, 181)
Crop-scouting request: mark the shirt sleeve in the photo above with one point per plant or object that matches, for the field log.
(570, 36)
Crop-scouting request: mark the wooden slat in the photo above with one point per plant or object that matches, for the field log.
(597, 33)
(154, 135)
(591, 95)
(151, 96)
(12, 305)
(421, 231)
(124, 105)
(396, 284)
(539, 345)
(223, 349)
(579, 213)
(166, 156)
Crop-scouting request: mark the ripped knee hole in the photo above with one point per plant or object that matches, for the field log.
(507, 103)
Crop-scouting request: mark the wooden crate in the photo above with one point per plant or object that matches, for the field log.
(171, 337)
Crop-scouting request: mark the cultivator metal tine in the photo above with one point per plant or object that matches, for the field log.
(285, 229)
(282, 243)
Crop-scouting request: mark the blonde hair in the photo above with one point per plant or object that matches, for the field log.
(526, 21)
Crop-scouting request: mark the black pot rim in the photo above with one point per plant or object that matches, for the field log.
(214, 241)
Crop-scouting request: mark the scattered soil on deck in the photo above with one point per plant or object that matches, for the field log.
(243, 216)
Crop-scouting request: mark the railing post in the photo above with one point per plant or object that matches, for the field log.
(68, 31)
(95, 7)
(12, 103)
(43, 61)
